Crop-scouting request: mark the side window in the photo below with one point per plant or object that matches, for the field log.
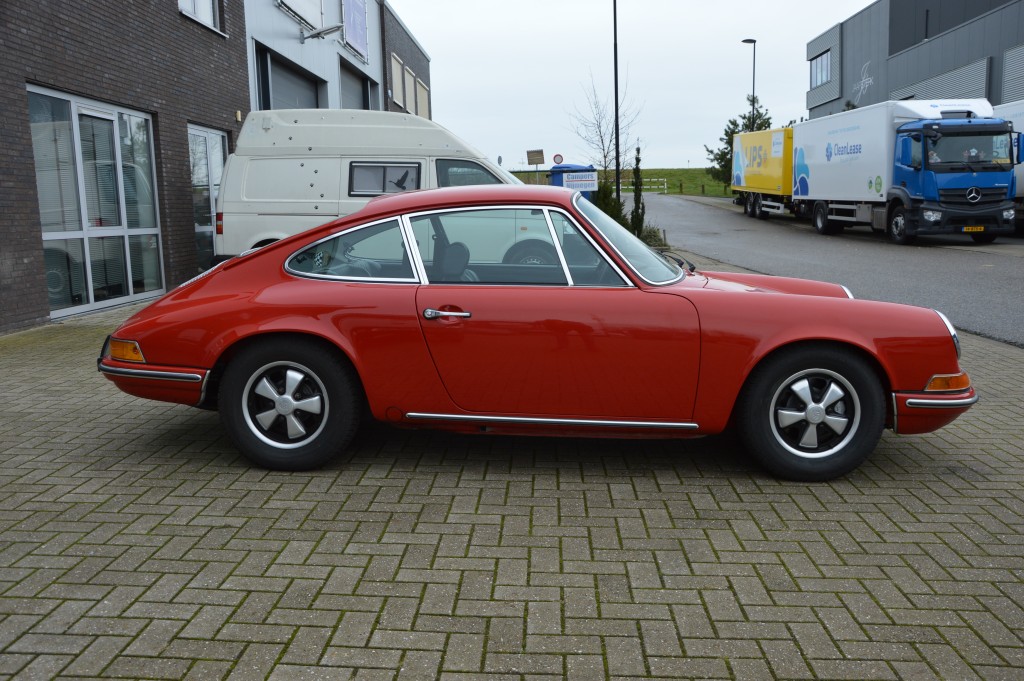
(500, 246)
(453, 173)
(586, 264)
(374, 179)
(373, 252)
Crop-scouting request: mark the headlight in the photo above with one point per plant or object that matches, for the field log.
(932, 215)
(1009, 214)
(952, 332)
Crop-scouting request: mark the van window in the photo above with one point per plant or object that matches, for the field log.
(452, 173)
(374, 179)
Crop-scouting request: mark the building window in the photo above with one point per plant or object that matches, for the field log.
(410, 90)
(203, 11)
(397, 82)
(207, 152)
(422, 99)
(97, 202)
(821, 71)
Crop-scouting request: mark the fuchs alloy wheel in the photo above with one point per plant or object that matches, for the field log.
(289, 405)
(897, 231)
(812, 414)
(531, 254)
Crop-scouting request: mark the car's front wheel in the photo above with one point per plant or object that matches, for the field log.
(813, 413)
(289, 404)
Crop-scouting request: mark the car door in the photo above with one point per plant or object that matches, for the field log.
(508, 339)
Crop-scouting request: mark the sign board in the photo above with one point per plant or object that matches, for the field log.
(583, 182)
(557, 159)
(535, 157)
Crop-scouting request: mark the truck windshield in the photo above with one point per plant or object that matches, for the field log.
(984, 152)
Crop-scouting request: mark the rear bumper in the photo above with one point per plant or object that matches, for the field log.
(920, 412)
(180, 385)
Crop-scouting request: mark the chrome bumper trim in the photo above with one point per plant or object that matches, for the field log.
(941, 404)
(549, 421)
(180, 376)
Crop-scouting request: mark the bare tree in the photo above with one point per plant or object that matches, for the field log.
(595, 126)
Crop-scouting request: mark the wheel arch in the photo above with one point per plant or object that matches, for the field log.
(212, 386)
(803, 345)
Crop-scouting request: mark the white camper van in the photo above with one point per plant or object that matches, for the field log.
(294, 169)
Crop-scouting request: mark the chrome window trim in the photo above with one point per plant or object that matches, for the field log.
(606, 423)
(682, 273)
(338, 277)
(410, 239)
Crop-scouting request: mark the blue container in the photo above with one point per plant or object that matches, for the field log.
(556, 174)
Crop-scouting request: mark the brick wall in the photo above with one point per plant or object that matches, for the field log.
(142, 55)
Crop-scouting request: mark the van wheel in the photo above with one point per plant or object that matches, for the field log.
(531, 254)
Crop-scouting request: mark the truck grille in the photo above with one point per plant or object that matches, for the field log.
(958, 197)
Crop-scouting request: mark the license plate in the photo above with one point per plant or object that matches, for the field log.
(974, 228)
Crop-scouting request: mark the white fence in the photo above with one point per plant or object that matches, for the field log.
(658, 185)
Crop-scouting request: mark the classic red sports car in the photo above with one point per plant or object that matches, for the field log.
(527, 310)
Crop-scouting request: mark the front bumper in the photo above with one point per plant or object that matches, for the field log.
(921, 412)
(987, 219)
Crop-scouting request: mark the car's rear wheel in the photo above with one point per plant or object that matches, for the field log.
(289, 405)
(813, 413)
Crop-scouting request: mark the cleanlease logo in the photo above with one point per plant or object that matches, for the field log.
(839, 150)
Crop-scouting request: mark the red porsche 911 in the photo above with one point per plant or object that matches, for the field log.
(526, 310)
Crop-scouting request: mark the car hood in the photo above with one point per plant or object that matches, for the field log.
(763, 283)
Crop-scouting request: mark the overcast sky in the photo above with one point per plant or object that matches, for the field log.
(507, 75)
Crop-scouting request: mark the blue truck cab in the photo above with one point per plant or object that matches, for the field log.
(955, 176)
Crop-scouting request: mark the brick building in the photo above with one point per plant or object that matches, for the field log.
(116, 118)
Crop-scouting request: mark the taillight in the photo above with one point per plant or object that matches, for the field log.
(220, 224)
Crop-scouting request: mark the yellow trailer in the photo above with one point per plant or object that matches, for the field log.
(762, 170)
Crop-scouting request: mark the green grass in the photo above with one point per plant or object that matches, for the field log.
(688, 181)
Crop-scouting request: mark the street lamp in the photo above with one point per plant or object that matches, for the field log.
(753, 79)
(615, 49)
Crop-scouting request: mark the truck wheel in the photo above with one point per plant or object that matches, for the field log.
(812, 413)
(898, 227)
(822, 225)
(748, 205)
(983, 238)
(759, 211)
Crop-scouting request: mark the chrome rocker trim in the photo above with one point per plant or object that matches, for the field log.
(942, 404)
(550, 422)
(182, 377)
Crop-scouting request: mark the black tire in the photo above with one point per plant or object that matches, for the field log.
(822, 225)
(897, 227)
(748, 205)
(759, 211)
(983, 238)
(812, 414)
(289, 404)
(531, 254)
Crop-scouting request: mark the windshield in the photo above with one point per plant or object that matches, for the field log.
(953, 153)
(650, 265)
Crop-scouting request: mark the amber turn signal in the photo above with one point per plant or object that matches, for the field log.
(949, 382)
(126, 351)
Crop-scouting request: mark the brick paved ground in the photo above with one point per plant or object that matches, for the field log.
(135, 543)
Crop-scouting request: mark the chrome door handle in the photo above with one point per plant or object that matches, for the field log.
(431, 313)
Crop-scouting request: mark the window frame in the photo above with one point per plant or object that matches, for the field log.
(188, 8)
(386, 165)
(821, 69)
(399, 223)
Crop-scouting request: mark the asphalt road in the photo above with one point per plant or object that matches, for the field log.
(980, 288)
